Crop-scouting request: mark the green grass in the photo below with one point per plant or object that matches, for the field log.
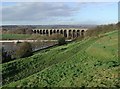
(106, 47)
(14, 36)
(90, 62)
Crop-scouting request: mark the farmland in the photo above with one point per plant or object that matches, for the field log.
(14, 36)
(92, 62)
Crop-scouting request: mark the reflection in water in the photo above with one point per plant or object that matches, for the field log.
(9, 46)
(35, 46)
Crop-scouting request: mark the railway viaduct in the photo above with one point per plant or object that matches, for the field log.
(66, 32)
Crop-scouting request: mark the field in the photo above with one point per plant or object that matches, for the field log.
(92, 62)
(26, 36)
(14, 36)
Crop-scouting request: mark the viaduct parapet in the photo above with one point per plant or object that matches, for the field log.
(66, 32)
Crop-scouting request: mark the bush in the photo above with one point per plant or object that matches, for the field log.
(24, 50)
(61, 41)
(55, 36)
(5, 56)
(101, 29)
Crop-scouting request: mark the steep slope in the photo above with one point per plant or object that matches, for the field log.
(91, 62)
(22, 68)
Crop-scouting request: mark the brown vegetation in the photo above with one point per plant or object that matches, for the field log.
(101, 30)
(24, 50)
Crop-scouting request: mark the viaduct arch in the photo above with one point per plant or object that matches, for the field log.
(71, 32)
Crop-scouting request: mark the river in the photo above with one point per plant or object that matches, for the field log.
(11, 46)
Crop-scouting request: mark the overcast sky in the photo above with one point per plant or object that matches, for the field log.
(48, 13)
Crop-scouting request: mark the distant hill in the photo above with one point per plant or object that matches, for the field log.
(10, 27)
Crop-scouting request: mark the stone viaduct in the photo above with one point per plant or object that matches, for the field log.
(66, 32)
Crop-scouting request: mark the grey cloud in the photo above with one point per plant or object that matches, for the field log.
(38, 11)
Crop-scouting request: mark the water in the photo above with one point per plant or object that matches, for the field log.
(35, 46)
(9, 46)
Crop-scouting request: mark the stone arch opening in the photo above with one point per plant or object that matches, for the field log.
(61, 31)
(37, 31)
(43, 31)
(78, 33)
(50, 32)
(47, 32)
(34, 31)
(70, 33)
(82, 32)
(74, 33)
(65, 33)
(40, 31)
(54, 31)
(58, 31)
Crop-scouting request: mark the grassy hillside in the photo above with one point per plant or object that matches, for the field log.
(90, 62)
